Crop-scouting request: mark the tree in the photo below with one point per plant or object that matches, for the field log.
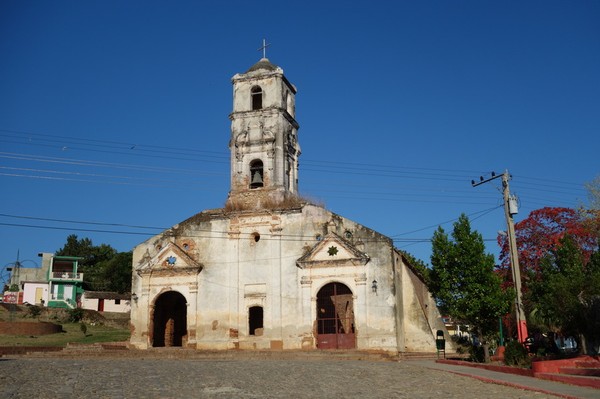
(116, 272)
(463, 280)
(541, 232)
(103, 268)
(85, 249)
(568, 295)
(593, 189)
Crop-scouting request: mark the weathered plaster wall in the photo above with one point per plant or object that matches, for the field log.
(421, 318)
(249, 259)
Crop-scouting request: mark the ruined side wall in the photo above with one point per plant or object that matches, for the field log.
(422, 318)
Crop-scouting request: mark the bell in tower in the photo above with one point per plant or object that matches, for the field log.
(256, 171)
(264, 138)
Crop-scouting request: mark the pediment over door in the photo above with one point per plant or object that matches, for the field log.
(169, 261)
(333, 251)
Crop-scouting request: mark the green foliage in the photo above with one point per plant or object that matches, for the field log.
(462, 344)
(14, 288)
(463, 280)
(567, 292)
(111, 275)
(75, 315)
(591, 298)
(85, 249)
(72, 333)
(477, 354)
(515, 354)
(103, 268)
(35, 311)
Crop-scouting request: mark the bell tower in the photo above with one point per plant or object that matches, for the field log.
(264, 138)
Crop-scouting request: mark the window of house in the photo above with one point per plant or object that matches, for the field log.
(256, 174)
(256, 94)
(117, 301)
(255, 320)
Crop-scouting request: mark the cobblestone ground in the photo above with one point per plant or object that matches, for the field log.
(175, 378)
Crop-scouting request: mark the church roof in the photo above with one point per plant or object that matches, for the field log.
(264, 63)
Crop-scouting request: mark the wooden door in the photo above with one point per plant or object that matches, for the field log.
(335, 317)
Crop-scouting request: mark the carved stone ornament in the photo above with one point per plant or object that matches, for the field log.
(169, 261)
(332, 251)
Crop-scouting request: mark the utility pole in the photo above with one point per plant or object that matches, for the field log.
(510, 208)
(15, 275)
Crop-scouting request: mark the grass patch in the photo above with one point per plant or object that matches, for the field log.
(72, 333)
(97, 328)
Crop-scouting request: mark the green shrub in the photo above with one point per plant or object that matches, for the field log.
(35, 311)
(476, 354)
(75, 315)
(515, 354)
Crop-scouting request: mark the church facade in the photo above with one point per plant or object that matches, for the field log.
(271, 270)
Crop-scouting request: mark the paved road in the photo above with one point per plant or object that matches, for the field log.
(191, 378)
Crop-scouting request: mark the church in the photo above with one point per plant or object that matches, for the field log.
(270, 270)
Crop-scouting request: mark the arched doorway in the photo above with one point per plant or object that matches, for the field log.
(169, 320)
(335, 317)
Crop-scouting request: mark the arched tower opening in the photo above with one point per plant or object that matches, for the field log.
(256, 94)
(256, 174)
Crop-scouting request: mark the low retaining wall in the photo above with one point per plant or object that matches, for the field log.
(554, 366)
(491, 367)
(29, 328)
(21, 350)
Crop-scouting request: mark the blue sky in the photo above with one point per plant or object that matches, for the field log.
(114, 115)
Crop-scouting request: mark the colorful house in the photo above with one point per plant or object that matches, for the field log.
(65, 284)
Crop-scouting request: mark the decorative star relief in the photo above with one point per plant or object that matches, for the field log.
(332, 251)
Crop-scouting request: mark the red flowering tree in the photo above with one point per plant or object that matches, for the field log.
(542, 232)
(539, 237)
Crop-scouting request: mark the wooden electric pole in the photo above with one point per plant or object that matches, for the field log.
(510, 208)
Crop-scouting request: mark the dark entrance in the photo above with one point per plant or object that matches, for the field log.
(255, 320)
(170, 320)
(335, 317)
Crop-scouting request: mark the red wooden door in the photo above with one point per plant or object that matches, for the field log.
(335, 317)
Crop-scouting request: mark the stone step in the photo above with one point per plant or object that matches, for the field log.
(104, 350)
(429, 355)
(121, 349)
(77, 347)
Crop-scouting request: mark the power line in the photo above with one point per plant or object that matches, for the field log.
(81, 222)
(354, 168)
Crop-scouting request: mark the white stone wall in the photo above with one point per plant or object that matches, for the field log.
(240, 272)
(110, 305)
(29, 292)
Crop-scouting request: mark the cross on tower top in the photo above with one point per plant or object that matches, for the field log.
(264, 48)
